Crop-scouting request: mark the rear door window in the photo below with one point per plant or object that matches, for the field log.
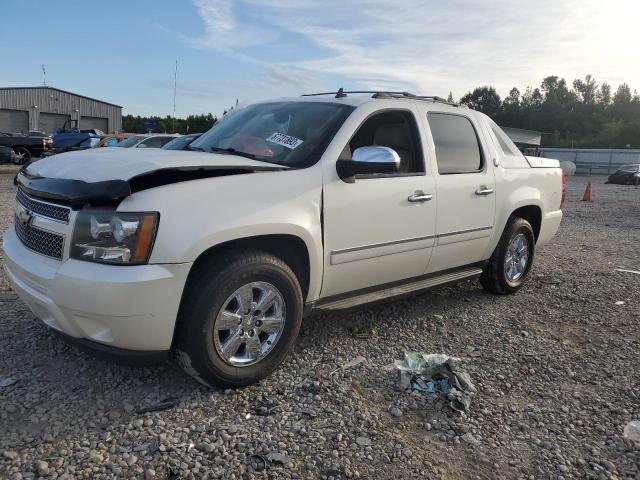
(456, 144)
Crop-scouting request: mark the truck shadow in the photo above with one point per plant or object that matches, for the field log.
(382, 318)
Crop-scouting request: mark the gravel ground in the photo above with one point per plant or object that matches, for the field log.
(556, 367)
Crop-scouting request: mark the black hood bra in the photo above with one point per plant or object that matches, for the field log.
(78, 193)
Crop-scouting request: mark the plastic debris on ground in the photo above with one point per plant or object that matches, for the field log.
(261, 462)
(7, 382)
(354, 362)
(436, 373)
(165, 404)
(624, 270)
(632, 431)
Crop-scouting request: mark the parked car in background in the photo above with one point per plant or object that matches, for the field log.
(37, 133)
(70, 138)
(7, 155)
(182, 142)
(627, 175)
(322, 202)
(147, 141)
(24, 146)
(113, 139)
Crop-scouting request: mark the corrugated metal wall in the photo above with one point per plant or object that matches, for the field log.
(596, 160)
(52, 100)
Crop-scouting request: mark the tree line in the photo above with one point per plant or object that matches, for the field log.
(585, 115)
(192, 124)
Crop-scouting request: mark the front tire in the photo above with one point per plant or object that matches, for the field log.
(240, 317)
(512, 259)
(23, 155)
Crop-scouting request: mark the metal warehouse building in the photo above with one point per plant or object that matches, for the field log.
(47, 109)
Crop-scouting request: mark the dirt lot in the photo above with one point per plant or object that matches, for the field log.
(556, 366)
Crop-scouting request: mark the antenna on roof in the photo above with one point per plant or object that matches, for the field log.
(44, 76)
(341, 93)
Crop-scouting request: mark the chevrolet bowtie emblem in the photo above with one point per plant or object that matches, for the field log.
(25, 217)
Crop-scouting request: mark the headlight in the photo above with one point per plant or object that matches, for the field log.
(108, 236)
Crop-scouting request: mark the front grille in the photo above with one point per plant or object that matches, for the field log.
(46, 243)
(49, 210)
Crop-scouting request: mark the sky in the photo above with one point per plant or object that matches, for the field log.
(125, 52)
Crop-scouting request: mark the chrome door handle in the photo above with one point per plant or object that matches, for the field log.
(484, 191)
(420, 196)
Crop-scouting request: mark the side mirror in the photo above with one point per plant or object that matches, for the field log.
(142, 145)
(367, 161)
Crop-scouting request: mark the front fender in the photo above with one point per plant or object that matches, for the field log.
(200, 214)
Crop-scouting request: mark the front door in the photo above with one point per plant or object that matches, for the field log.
(380, 229)
(465, 185)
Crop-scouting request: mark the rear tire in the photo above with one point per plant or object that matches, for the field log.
(210, 344)
(512, 259)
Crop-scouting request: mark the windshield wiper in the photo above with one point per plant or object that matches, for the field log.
(232, 151)
(195, 149)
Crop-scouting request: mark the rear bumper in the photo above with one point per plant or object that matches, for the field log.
(550, 225)
(123, 307)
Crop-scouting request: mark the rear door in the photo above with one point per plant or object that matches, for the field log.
(465, 187)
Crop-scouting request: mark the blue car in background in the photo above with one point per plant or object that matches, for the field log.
(70, 138)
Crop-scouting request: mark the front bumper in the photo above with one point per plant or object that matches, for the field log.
(123, 356)
(122, 307)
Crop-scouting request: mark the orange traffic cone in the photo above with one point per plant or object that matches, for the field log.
(587, 193)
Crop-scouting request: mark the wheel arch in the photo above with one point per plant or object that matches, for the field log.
(289, 248)
(532, 214)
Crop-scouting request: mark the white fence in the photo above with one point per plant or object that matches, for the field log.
(593, 161)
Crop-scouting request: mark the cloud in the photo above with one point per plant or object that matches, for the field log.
(188, 88)
(223, 32)
(429, 47)
(289, 76)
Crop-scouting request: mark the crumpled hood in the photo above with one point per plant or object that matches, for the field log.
(105, 177)
(113, 163)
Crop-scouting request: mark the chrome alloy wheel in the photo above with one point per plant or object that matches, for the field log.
(249, 324)
(517, 257)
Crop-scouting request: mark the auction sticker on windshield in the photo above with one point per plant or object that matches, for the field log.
(284, 140)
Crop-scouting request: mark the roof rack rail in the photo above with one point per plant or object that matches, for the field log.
(384, 94)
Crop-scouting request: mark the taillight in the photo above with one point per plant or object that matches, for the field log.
(564, 188)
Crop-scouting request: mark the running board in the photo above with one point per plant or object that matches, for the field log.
(398, 290)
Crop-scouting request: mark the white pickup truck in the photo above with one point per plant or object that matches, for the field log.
(325, 201)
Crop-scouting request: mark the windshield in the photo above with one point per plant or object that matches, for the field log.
(294, 134)
(179, 143)
(131, 141)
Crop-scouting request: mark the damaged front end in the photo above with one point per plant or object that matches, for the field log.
(79, 193)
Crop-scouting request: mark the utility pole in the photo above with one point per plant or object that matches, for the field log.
(44, 76)
(175, 84)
